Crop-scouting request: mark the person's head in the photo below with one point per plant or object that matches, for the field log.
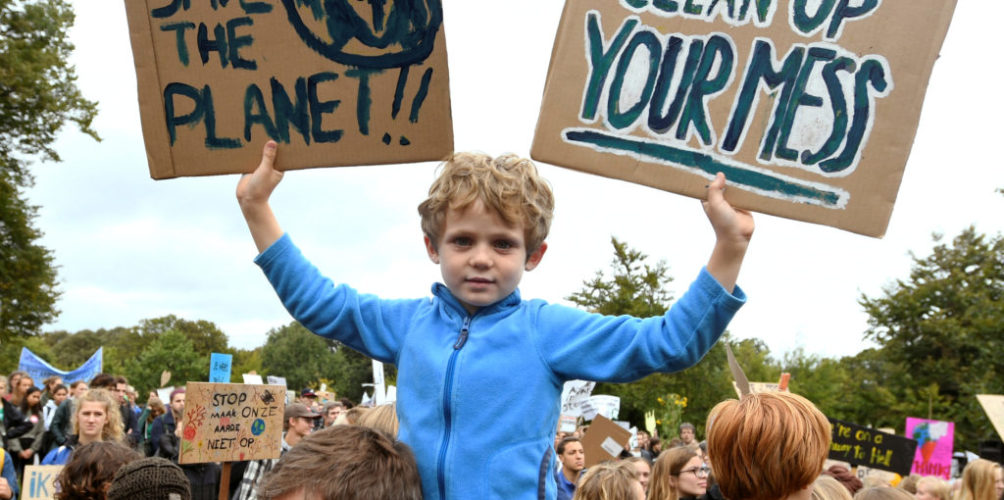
(932, 488)
(351, 416)
(152, 478)
(96, 417)
(909, 483)
(177, 401)
(610, 481)
(825, 487)
(121, 390)
(571, 455)
(485, 222)
(643, 468)
(50, 383)
(655, 445)
(103, 381)
(157, 409)
(89, 471)
(32, 401)
(643, 437)
(845, 477)
(741, 431)
(688, 433)
(331, 412)
(382, 418)
(13, 379)
(23, 384)
(344, 462)
(77, 388)
(59, 393)
(308, 396)
(3, 385)
(298, 420)
(882, 493)
(678, 472)
(981, 480)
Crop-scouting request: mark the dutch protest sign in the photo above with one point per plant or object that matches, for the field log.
(231, 422)
(39, 482)
(993, 405)
(935, 443)
(334, 83)
(809, 107)
(873, 448)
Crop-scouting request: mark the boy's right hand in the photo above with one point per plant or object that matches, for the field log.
(253, 192)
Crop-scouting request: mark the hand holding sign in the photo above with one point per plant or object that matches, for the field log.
(253, 192)
(733, 230)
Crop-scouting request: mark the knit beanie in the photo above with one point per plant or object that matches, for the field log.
(153, 478)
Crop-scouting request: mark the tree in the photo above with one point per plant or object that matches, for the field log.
(301, 357)
(941, 328)
(38, 94)
(169, 351)
(635, 288)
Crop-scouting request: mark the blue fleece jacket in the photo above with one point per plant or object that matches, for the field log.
(478, 395)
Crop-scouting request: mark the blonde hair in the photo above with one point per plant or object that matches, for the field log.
(668, 465)
(935, 486)
(607, 481)
(828, 488)
(766, 446)
(882, 493)
(509, 185)
(382, 418)
(978, 481)
(112, 430)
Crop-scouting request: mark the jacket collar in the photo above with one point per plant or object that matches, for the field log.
(443, 293)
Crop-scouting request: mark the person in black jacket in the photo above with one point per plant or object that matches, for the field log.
(12, 422)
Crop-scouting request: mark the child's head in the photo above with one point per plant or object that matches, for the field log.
(784, 433)
(508, 185)
(610, 481)
(485, 222)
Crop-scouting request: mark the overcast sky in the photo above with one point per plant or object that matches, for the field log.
(130, 248)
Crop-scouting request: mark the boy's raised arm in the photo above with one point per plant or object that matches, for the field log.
(253, 192)
(733, 230)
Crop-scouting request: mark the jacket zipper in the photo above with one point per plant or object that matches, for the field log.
(461, 340)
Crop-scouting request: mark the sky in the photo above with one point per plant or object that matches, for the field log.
(130, 248)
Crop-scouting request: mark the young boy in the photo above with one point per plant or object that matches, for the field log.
(480, 371)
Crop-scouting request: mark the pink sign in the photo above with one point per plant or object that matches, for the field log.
(935, 440)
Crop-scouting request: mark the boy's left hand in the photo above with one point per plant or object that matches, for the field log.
(733, 230)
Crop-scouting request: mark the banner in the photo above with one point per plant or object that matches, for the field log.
(333, 82)
(219, 367)
(809, 108)
(935, 443)
(873, 448)
(38, 369)
(231, 422)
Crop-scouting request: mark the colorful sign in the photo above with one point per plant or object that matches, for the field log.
(935, 443)
(808, 107)
(333, 82)
(873, 448)
(219, 367)
(40, 482)
(231, 422)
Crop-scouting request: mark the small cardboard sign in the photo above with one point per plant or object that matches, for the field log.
(39, 482)
(604, 440)
(231, 422)
(873, 448)
(219, 367)
(935, 443)
(809, 108)
(993, 405)
(251, 378)
(573, 394)
(334, 83)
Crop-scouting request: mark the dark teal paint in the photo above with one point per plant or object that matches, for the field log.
(621, 119)
(871, 73)
(601, 61)
(761, 68)
(704, 85)
(423, 91)
(179, 33)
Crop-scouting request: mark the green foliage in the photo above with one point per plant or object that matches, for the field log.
(635, 288)
(171, 350)
(295, 353)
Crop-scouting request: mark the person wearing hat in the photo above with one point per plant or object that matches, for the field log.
(152, 478)
(298, 422)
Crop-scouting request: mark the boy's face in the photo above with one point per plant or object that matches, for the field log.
(481, 257)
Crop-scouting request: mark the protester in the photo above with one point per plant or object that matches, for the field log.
(644, 469)
(331, 412)
(61, 426)
(767, 446)
(49, 387)
(826, 487)
(345, 463)
(19, 390)
(610, 481)
(688, 433)
(572, 457)
(932, 488)
(298, 423)
(882, 493)
(89, 471)
(12, 423)
(13, 381)
(909, 483)
(163, 427)
(25, 449)
(678, 473)
(59, 394)
(844, 476)
(8, 479)
(981, 480)
(154, 408)
(351, 416)
(382, 418)
(130, 425)
(151, 478)
(96, 418)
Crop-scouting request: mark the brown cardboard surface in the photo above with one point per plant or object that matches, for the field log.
(993, 405)
(231, 422)
(225, 77)
(793, 155)
(603, 433)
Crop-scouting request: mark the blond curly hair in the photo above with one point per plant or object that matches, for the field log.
(112, 430)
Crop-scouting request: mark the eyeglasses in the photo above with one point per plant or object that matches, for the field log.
(701, 471)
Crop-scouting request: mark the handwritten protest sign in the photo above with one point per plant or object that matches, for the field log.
(604, 441)
(809, 107)
(935, 443)
(219, 367)
(859, 445)
(39, 482)
(335, 83)
(231, 422)
(573, 394)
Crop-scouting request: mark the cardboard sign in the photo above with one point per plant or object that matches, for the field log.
(993, 405)
(758, 387)
(39, 482)
(873, 448)
(573, 394)
(935, 443)
(605, 440)
(219, 367)
(334, 83)
(252, 378)
(809, 108)
(231, 422)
